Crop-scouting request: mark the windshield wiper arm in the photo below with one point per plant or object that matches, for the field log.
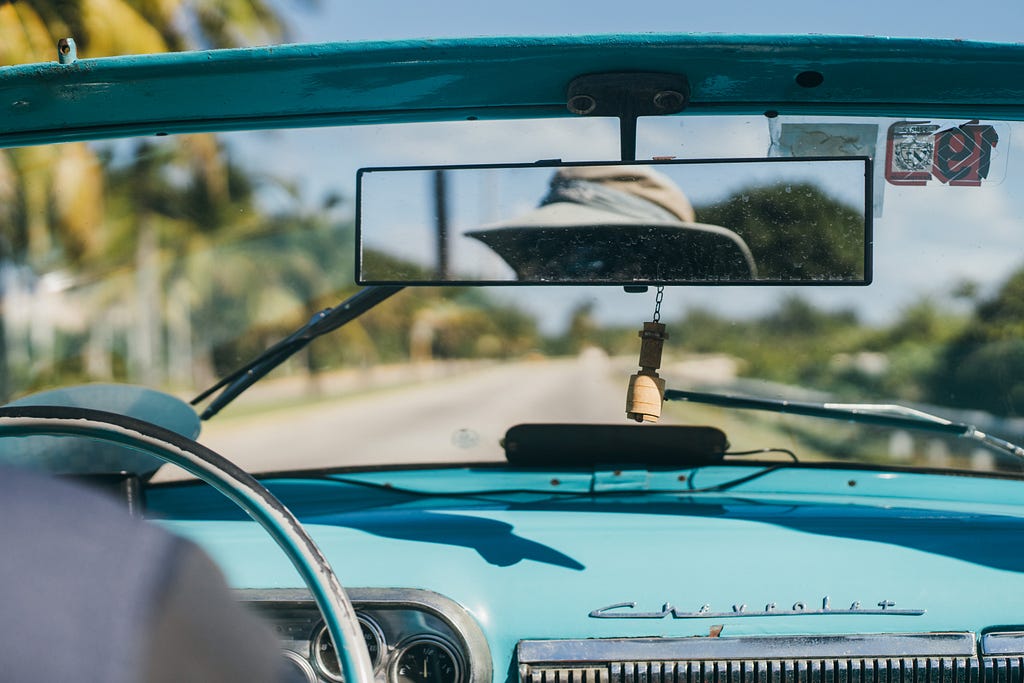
(884, 415)
(320, 324)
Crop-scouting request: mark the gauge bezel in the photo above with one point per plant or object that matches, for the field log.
(402, 648)
(321, 633)
(302, 664)
(460, 627)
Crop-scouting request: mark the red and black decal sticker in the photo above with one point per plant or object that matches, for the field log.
(917, 152)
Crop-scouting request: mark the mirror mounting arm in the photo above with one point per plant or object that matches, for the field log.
(627, 137)
(628, 96)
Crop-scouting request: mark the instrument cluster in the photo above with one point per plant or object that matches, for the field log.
(412, 636)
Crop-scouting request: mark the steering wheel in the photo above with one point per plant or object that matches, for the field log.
(233, 482)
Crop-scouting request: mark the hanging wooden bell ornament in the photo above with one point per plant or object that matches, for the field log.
(646, 390)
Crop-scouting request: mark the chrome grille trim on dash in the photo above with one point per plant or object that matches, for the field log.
(1003, 643)
(1003, 669)
(581, 674)
(1003, 657)
(882, 658)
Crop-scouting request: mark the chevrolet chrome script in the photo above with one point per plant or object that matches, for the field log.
(626, 610)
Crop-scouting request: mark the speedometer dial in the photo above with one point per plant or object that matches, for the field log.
(426, 660)
(326, 657)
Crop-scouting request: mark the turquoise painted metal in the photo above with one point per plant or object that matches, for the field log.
(534, 565)
(350, 83)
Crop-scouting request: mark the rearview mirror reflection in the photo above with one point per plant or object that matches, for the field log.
(764, 221)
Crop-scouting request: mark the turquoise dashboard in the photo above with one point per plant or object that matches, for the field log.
(519, 558)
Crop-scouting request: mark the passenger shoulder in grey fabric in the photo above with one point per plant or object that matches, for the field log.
(91, 594)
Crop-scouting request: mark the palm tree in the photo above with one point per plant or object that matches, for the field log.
(116, 27)
(46, 206)
(51, 198)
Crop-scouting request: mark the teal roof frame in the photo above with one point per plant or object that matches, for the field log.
(494, 78)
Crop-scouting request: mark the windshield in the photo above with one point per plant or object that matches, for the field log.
(170, 261)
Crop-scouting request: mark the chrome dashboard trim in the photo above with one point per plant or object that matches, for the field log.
(1003, 656)
(316, 655)
(378, 636)
(403, 647)
(301, 664)
(1003, 643)
(1003, 669)
(867, 658)
(471, 639)
(880, 645)
(626, 610)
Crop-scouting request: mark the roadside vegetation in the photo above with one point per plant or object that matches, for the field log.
(929, 354)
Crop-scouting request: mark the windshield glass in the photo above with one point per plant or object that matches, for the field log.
(171, 261)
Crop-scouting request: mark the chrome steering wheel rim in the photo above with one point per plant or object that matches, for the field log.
(232, 481)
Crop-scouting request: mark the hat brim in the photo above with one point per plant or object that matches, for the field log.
(617, 251)
(566, 214)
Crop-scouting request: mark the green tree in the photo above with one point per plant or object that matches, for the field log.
(983, 367)
(793, 343)
(794, 230)
(582, 331)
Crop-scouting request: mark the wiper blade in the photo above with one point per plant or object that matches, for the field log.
(320, 324)
(881, 414)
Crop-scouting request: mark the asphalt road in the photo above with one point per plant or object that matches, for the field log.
(457, 419)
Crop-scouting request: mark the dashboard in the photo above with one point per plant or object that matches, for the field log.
(417, 636)
(413, 636)
(893, 578)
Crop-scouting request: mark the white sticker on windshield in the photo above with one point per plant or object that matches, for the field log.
(824, 140)
(828, 140)
(922, 152)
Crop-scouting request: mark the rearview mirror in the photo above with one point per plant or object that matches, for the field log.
(792, 221)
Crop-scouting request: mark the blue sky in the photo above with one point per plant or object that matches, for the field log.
(331, 20)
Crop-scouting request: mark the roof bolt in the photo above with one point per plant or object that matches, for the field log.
(581, 104)
(66, 51)
(669, 100)
(810, 79)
